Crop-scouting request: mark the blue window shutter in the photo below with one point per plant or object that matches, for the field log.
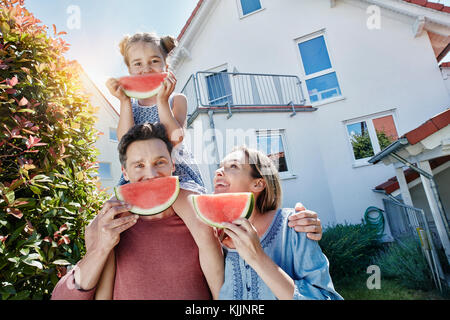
(314, 55)
(248, 6)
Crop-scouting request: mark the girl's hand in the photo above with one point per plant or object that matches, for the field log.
(245, 239)
(116, 89)
(168, 86)
(306, 221)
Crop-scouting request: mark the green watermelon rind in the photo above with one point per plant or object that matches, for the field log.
(246, 213)
(155, 210)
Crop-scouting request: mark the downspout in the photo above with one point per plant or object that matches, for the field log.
(213, 138)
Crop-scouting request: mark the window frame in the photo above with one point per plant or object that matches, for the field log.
(372, 134)
(305, 77)
(278, 132)
(241, 12)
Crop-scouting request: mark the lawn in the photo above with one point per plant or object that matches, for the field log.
(356, 289)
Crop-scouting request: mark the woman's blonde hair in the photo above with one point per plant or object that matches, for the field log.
(262, 167)
(165, 44)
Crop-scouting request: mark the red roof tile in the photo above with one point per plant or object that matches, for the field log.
(431, 5)
(444, 65)
(432, 125)
(188, 22)
(392, 185)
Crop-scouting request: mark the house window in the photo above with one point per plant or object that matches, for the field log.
(371, 135)
(320, 77)
(219, 89)
(272, 143)
(113, 134)
(104, 170)
(249, 6)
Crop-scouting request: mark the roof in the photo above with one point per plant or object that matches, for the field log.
(444, 65)
(188, 22)
(392, 184)
(75, 62)
(426, 129)
(429, 127)
(414, 136)
(431, 5)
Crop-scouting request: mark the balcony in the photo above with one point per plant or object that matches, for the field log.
(231, 92)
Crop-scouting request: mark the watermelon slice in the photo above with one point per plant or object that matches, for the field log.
(142, 86)
(214, 209)
(149, 197)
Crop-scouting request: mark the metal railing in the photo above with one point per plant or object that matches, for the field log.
(229, 89)
(404, 221)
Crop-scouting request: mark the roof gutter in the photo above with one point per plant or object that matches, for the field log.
(413, 10)
(393, 147)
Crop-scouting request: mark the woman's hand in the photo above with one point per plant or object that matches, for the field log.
(245, 240)
(306, 221)
(116, 89)
(168, 86)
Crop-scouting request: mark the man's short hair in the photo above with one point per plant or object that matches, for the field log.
(139, 132)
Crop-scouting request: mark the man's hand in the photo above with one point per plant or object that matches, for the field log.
(306, 221)
(103, 233)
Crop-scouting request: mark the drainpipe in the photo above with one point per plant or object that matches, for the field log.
(390, 196)
(435, 192)
(214, 139)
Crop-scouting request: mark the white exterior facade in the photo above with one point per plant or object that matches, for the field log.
(446, 76)
(390, 70)
(107, 121)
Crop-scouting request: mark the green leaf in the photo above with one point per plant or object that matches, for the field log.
(35, 190)
(27, 110)
(10, 196)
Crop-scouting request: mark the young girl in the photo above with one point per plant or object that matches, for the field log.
(146, 53)
(270, 260)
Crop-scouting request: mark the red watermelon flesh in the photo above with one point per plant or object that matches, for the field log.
(214, 209)
(142, 86)
(149, 197)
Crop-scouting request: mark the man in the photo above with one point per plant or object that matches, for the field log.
(156, 257)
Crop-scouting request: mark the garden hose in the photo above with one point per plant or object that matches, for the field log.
(375, 218)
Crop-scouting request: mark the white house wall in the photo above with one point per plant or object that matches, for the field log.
(378, 70)
(108, 148)
(446, 76)
(106, 118)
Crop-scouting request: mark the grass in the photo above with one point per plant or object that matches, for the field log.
(356, 289)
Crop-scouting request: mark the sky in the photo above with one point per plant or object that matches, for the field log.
(95, 27)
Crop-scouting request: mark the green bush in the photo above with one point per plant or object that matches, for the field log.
(404, 261)
(349, 249)
(47, 157)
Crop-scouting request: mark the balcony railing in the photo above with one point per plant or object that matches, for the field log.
(229, 91)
